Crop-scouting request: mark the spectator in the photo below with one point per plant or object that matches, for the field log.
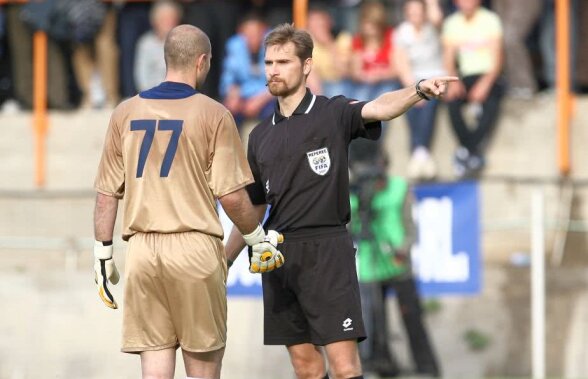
(243, 83)
(133, 22)
(149, 62)
(518, 19)
(372, 65)
(331, 55)
(21, 21)
(218, 19)
(275, 12)
(95, 61)
(472, 39)
(419, 55)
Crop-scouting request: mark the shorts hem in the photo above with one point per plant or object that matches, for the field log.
(286, 341)
(205, 350)
(327, 341)
(139, 349)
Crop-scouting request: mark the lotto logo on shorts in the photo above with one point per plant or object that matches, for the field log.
(347, 325)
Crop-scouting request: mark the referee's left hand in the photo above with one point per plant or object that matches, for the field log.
(436, 87)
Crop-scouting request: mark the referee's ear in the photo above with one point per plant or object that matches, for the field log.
(307, 66)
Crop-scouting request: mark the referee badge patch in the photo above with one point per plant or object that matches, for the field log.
(319, 160)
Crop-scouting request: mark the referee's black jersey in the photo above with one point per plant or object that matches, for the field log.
(300, 163)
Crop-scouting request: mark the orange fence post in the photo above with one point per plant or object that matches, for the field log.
(300, 13)
(40, 103)
(564, 97)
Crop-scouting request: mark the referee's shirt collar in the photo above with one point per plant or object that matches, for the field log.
(304, 107)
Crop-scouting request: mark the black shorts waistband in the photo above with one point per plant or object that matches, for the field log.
(314, 233)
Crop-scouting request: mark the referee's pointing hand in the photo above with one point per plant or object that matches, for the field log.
(436, 87)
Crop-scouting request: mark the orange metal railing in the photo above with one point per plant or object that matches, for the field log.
(40, 103)
(564, 96)
(300, 11)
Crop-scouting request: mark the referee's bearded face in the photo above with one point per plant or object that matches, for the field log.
(284, 71)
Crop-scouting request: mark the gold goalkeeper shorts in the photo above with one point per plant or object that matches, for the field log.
(175, 293)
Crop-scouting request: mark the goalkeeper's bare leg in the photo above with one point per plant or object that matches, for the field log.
(160, 364)
(203, 365)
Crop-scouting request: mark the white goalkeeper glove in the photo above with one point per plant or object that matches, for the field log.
(263, 253)
(106, 271)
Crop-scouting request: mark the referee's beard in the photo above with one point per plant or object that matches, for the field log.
(281, 89)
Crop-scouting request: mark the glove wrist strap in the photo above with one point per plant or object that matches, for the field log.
(255, 237)
(102, 251)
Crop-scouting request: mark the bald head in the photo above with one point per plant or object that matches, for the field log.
(183, 45)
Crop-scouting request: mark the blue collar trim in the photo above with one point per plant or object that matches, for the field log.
(169, 91)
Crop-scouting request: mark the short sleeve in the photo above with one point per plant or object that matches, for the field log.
(348, 111)
(401, 36)
(255, 189)
(494, 25)
(110, 179)
(448, 31)
(228, 169)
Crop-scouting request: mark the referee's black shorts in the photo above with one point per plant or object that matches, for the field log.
(314, 298)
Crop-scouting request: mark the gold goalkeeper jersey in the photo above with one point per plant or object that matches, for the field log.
(170, 152)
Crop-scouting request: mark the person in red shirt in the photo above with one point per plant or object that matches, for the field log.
(372, 65)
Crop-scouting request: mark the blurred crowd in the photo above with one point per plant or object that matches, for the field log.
(102, 52)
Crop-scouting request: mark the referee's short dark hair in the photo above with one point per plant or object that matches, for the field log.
(285, 33)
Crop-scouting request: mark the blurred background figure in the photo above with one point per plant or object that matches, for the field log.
(149, 62)
(274, 12)
(372, 65)
(132, 22)
(472, 39)
(419, 55)
(95, 58)
(383, 230)
(21, 21)
(243, 85)
(218, 19)
(331, 55)
(518, 19)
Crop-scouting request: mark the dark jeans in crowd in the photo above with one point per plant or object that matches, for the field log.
(132, 23)
(421, 120)
(474, 137)
(218, 19)
(375, 352)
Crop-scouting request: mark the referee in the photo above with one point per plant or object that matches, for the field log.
(298, 157)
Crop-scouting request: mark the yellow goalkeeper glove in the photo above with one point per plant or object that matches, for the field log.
(263, 253)
(105, 271)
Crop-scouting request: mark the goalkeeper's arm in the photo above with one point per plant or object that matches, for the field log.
(244, 215)
(104, 217)
(104, 268)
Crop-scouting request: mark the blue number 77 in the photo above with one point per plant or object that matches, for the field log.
(175, 126)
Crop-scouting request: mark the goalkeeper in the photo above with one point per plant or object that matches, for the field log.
(171, 152)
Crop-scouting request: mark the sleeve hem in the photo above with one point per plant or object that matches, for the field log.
(108, 193)
(235, 188)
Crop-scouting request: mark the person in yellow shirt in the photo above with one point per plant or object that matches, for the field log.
(472, 40)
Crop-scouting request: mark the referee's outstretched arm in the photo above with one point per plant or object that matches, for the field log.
(393, 104)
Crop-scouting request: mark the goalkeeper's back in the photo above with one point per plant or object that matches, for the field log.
(170, 151)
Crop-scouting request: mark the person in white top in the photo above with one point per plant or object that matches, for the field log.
(419, 54)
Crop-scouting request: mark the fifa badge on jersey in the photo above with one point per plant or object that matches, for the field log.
(319, 160)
